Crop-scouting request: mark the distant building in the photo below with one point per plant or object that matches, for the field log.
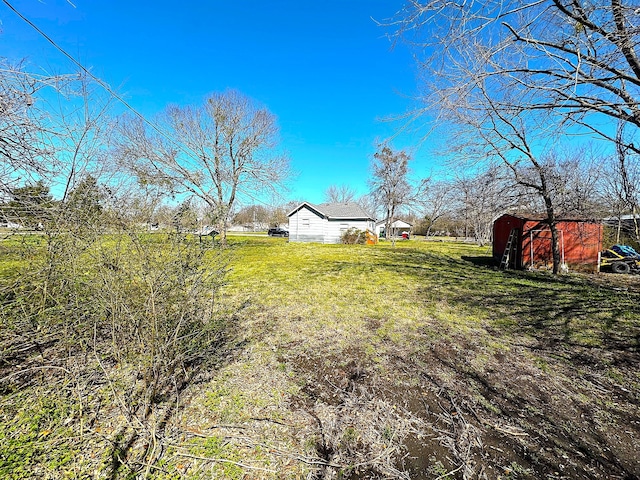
(11, 225)
(398, 227)
(325, 223)
(626, 224)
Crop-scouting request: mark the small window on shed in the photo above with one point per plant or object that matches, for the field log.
(305, 222)
(344, 227)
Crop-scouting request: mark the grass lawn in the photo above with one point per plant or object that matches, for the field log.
(417, 361)
(444, 288)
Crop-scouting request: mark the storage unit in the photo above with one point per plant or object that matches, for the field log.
(580, 242)
(398, 228)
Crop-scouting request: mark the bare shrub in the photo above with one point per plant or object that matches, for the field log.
(363, 436)
(353, 236)
(129, 310)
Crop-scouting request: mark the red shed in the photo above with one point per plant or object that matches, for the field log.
(580, 241)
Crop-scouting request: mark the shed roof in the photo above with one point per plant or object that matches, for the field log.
(542, 218)
(335, 211)
(622, 217)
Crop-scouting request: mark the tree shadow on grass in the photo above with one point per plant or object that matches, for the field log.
(588, 320)
(539, 367)
(481, 261)
(572, 311)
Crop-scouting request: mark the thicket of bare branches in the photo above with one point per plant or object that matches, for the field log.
(339, 194)
(96, 309)
(25, 149)
(571, 58)
(435, 200)
(482, 197)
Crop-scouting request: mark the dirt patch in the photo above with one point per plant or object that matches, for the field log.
(538, 417)
(454, 409)
(629, 283)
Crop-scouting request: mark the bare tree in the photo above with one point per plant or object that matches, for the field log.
(488, 132)
(389, 183)
(83, 125)
(215, 152)
(625, 185)
(515, 76)
(435, 201)
(278, 215)
(481, 198)
(368, 203)
(575, 59)
(53, 132)
(255, 215)
(339, 194)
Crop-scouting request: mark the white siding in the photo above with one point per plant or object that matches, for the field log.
(397, 226)
(335, 228)
(306, 226)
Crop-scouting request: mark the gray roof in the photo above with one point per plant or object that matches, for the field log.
(350, 210)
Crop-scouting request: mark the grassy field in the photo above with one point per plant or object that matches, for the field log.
(417, 361)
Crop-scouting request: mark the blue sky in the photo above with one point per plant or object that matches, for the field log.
(325, 69)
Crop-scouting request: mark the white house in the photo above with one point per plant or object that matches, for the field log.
(11, 225)
(398, 227)
(325, 223)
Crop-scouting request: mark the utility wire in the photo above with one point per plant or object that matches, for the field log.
(99, 81)
(114, 94)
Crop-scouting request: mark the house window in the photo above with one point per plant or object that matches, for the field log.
(305, 222)
(344, 227)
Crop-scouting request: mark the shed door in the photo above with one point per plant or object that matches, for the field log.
(541, 251)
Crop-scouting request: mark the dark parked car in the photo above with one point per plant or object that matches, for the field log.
(278, 232)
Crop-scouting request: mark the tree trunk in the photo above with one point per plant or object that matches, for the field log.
(387, 226)
(636, 227)
(555, 247)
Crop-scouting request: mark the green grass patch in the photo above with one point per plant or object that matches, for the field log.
(446, 288)
(311, 313)
(37, 436)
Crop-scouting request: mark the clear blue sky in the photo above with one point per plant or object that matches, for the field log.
(325, 69)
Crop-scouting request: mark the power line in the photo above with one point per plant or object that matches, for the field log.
(98, 80)
(114, 94)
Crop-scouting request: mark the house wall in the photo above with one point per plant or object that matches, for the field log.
(306, 226)
(335, 228)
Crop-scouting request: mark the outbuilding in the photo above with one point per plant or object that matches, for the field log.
(398, 228)
(580, 242)
(325, 223)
